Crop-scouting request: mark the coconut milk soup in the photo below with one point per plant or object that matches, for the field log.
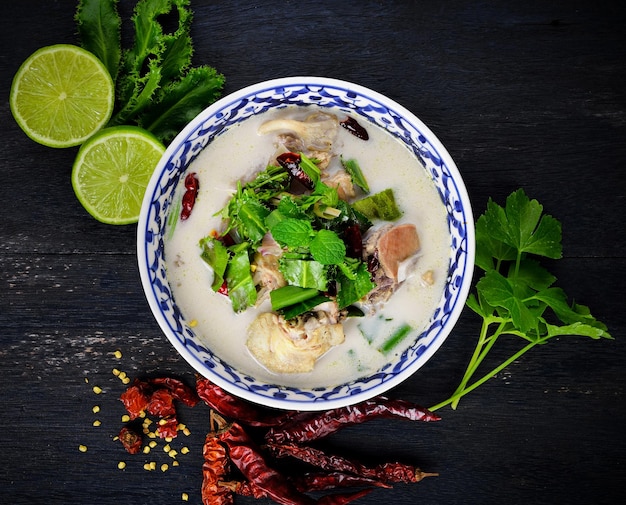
(240, 153)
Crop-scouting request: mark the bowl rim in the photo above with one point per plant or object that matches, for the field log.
(315, 403)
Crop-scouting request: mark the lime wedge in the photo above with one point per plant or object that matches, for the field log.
(112, 170)
(61, 95)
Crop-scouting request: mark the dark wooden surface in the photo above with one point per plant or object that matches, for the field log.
(525, 94)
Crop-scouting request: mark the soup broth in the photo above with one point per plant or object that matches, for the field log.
(240, 153)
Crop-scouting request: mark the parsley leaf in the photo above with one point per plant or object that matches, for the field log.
(515, 296)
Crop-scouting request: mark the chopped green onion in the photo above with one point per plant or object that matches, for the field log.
(395, 338)
(290, 295)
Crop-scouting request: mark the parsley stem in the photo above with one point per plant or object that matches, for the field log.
(483, 347)
(459, 394)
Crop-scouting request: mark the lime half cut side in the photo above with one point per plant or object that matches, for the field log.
(112, 170)
(61, 95)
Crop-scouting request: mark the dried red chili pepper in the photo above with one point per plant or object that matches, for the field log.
(214, 470)
(161, 403)
(168, 427)
(342, 499)
(248, 459)
(354, 241)
(131, 439)
(291, 163)
(136, 398)
(385, 473)
(353, 126)
(179, 390)
(312, 426)
(192, 185)
(232, 407)
(324, 481)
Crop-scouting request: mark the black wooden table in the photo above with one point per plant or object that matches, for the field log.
(523, 94)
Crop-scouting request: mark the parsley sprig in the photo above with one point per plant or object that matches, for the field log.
(516, 295)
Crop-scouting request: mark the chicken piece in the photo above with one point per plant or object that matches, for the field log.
(292, 346)
(394, 250)
(342, 181)
(267, 274)
(314, 136)
(395, 246)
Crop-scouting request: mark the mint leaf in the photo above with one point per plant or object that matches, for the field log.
(293, 232)
(328, 248)
(99, 28)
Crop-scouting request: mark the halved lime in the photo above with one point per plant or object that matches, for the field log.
(61, 95)
(112, 170)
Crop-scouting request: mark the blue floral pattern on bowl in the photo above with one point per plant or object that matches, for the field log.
(339, 96)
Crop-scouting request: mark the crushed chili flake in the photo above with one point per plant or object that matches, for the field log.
(131, 440)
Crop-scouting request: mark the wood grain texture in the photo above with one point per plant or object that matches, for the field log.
(523, 94)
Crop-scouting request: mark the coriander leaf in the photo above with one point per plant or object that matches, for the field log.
(328, 248)
(99, 29)
(293, 232)
(180, 101)
(556, 299)
(252, 216)
(515, 290)
(532, 274)
(309, 168)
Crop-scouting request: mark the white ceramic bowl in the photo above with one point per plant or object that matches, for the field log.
(371, 107)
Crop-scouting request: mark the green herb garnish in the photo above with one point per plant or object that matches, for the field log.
(515, 296)
(308, 227)
(379, 206)
(156, 86)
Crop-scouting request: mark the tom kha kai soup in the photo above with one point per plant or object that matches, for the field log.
(315, 250)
